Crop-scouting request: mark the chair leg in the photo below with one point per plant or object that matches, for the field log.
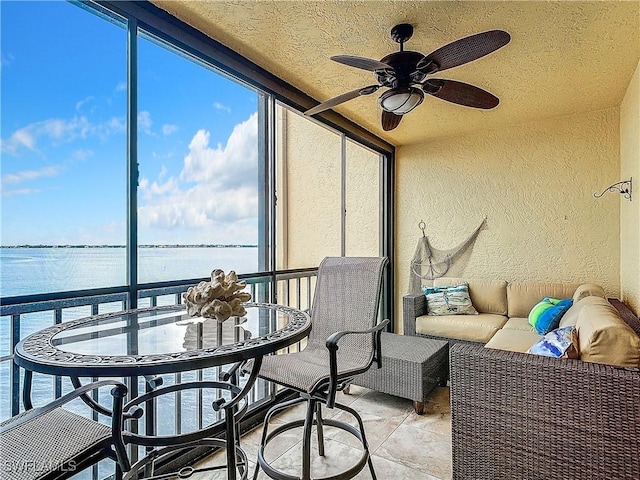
(319, 429)
(306, 440)
(365, 444)
(265, 425)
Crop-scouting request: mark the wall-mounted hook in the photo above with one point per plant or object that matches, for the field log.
(422, 226)
(624, 188)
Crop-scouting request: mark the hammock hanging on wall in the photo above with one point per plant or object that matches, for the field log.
(429, 263)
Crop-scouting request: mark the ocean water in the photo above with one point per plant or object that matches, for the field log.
(44, 270)
(26, 271)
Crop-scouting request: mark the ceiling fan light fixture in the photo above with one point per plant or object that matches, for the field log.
(401, 100)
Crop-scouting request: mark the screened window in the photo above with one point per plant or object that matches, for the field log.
(199, 173)
(63, 148)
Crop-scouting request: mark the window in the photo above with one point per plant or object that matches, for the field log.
(199, 173)
(63, 148)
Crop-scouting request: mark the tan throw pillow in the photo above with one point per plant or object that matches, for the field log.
(603, 337)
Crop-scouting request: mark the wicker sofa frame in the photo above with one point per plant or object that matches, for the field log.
(521, 416)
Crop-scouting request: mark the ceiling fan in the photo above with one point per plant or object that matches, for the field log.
(405, 74)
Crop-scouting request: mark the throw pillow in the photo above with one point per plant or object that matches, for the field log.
(545, 316)
(559, 343)
(452, 300)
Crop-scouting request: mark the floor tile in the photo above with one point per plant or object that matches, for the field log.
(404, 445)
(388, 470)
(420, 449)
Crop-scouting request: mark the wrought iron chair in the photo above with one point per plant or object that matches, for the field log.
(51, 442)
(344, 341)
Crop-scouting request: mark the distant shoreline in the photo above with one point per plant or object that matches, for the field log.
(203, 245)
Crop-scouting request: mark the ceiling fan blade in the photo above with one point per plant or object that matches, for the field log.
(466, 49)
(390, 120)
(361, 62)
(341, 99)
(460, 93)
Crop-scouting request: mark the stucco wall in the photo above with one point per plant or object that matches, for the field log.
(309, 193)
(534, 184)
(362, 202)
(630, 211)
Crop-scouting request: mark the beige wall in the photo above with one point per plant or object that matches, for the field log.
(630, 211)
(534, 183)
(309, 193)
(362, 202)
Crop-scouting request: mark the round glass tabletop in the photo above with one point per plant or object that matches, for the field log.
(159, 340)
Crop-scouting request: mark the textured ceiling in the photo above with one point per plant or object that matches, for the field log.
(564, 57)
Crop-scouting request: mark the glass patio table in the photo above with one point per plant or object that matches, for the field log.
(160, 340)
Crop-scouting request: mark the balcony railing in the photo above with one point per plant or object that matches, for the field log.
(168, 415)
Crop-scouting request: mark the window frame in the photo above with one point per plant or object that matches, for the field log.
(271, 89)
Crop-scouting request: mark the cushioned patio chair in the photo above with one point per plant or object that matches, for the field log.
(51, 442)
(344, 341)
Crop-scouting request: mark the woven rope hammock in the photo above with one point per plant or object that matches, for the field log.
(429, 263)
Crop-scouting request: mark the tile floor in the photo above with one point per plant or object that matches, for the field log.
(404, 446)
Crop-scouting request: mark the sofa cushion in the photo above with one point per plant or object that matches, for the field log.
(517, 323)
(587, 290)
(449, 300)
(545, 315)
(571, 317)
(487, 296)
(513, 340)
(604, 337)
(522, 296)
(474, 328)
(558, 343)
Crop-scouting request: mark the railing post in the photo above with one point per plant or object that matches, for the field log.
(15, 370)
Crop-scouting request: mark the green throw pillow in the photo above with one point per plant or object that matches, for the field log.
(453, 300)
(545, 315)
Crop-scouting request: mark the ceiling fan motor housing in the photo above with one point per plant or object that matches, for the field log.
(404, 70)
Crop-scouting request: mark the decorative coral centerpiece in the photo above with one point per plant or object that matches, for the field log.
(220, 298)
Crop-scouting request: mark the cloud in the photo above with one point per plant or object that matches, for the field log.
(81, 103)
(28, 175)
(10, 180)
(145, 122)
(220, 106)
(168, 129)
(58, 131)
(82, 154)
(19, 191)
(121, 87)
(216, 189)
(231, 166)
(6, 59)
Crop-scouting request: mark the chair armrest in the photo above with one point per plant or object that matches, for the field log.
(332, 346)
(413, 306)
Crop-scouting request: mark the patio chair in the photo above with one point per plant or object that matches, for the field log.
(51, 442)
(344, 341)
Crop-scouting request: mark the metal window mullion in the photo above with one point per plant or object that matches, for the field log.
(270, 135)
(343, 195)
(387, 235)
(132, 163)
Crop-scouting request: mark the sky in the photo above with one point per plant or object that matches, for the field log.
(63, 91)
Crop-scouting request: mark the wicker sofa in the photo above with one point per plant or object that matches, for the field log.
(500, 305)
(522, 416)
